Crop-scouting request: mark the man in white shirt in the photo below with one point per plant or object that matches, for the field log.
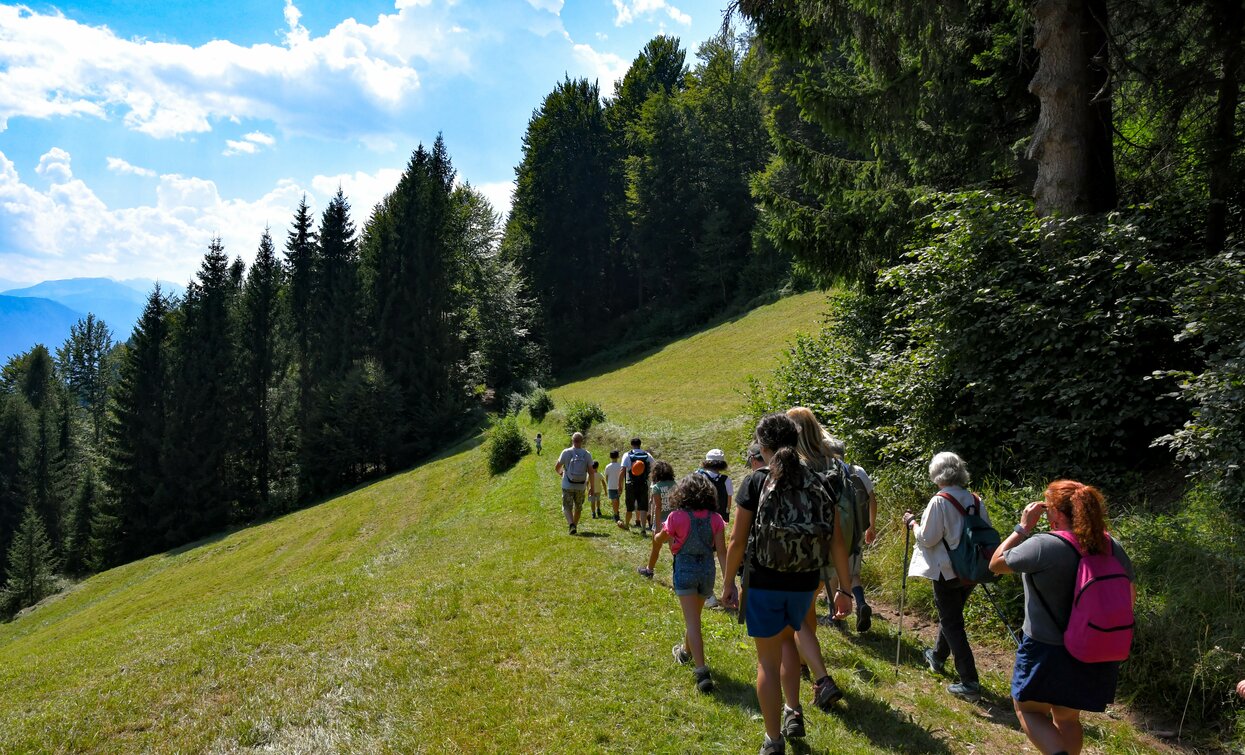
(575, 466)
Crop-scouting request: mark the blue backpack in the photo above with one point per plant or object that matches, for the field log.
(970, 560)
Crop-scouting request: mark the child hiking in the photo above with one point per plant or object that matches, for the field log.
(594, 498)
(540, 440)
(613, 481)
(696, 533)
(660, 503)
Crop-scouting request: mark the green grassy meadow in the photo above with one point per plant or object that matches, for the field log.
(444, 610)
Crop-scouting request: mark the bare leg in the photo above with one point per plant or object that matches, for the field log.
(810, 646)
(692, 640)
(769, 691)
(790, 681)
(1068, 722)
(1035, 719)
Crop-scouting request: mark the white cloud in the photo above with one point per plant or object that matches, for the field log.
(500, 194)
(52, 66)
(249, 144)
(631, 11)
(606, 67)
(54, 164)
(363, 190)
(67, 230)
(117, 165)
(549, 6)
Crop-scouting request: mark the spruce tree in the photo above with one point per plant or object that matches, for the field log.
(84, 360)
(261, 364)
(17, 441)
(82, 510)
(411, 266)
(203, 410)
(135, 452)
(336, 301)
(301, 251)
(31, 564)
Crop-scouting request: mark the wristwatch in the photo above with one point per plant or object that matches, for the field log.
(1019, 529)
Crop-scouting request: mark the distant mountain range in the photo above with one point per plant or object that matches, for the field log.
(43, 313)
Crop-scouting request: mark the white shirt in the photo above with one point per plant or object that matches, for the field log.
(612, 472)
(940, 521)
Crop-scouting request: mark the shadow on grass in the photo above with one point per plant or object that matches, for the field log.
(732, 691)
(592, 534)
(886, 727)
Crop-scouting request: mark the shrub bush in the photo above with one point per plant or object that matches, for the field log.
(581, 415)
(506, 444)
(1022, 344)
(539, 404)
(1211, 306)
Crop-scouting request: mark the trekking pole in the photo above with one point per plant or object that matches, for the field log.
(1010, 632)
(903, 591)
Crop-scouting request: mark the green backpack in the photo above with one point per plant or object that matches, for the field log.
(970, 560)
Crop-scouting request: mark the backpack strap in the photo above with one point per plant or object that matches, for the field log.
(1061, 537)
(975, 507)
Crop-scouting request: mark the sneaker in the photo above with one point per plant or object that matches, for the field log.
(778, 747)
(792, 723)
(574, 529)
(680, 654)
(935, 665)
(704, 682)
(712, 602)
(969, 692)
(864, 618)
(621, 525)
(644, 571)
(826, 693)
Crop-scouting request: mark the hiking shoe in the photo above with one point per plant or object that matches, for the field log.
(712, 602)
(622, 525)
(864, 618)
(969, 692)
(704, 682)
(778, 747)
(935, 665)
(680, 654)
(574, 529)
(644, 571)
(792, 723)
(826, 693)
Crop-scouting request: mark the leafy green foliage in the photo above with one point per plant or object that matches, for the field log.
(539, 404)
(1023, 345)
(580, 416)
(1211, 306)
(506, 444)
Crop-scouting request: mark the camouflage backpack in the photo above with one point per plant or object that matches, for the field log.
(794, 525)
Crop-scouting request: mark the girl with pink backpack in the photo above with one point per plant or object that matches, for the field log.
(1079, 597)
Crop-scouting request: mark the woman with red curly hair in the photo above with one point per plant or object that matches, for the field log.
(1050, 687)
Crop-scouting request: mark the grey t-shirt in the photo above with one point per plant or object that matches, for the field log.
(1050, 566)
(565, 460)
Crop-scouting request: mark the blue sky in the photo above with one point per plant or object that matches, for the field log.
(132, 132)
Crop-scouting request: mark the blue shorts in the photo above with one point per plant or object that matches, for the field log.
(613, 494)
(694, 575)
(768, 612)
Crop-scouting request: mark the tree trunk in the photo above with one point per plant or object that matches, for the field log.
(1223, 143)
(1072, 143)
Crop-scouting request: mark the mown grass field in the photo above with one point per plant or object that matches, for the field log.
(444, 610)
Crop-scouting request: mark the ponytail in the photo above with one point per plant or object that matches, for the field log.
(1086, 507)
(779, 433)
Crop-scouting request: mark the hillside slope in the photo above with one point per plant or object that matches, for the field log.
(443, 610)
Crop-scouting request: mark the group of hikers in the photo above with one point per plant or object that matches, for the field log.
(802, 517)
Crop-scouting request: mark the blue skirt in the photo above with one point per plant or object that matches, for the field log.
(1049, 674)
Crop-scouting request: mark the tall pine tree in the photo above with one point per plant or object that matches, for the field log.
(32, 563)
(261, 356)
(135, 468)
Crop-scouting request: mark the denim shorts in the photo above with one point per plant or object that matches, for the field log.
(694, 575)
(768, 612)
(613, 494)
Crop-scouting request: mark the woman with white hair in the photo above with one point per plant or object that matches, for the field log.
(938, 532)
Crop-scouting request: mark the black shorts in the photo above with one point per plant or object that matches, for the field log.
(637, 496)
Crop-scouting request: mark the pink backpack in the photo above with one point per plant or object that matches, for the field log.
(1100, 627)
